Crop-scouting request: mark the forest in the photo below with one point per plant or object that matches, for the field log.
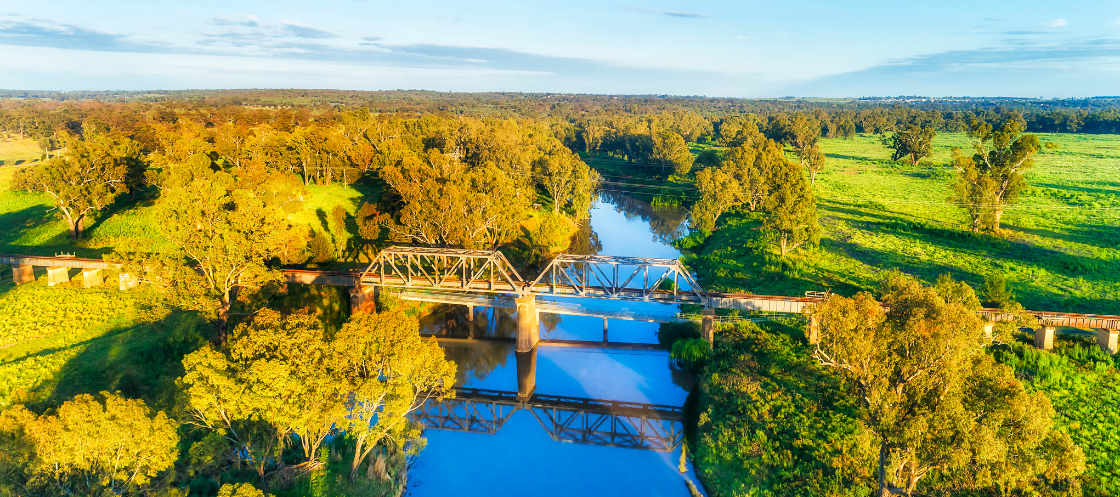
(213, 377)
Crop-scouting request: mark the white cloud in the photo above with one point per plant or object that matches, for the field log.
(1117, 22)
(1056, 23)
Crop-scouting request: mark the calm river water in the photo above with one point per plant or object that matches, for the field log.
(521, 458)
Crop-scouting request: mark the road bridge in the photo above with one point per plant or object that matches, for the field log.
(443, 275)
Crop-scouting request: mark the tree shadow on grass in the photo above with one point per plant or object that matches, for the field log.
(1100, 236)
(14, 224)
(123, 204)
(140, 361)
(987, 246)
(1082, 189)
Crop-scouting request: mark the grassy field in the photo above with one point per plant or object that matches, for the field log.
(58, 341)
(28, 225)
(1060, 250)
(14, 151)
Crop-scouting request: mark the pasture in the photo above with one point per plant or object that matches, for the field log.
(1060, 249)
(14, 151)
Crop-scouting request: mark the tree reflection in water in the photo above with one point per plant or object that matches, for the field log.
(478, 358)
(667, 222)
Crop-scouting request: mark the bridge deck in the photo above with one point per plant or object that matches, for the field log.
(742, 302)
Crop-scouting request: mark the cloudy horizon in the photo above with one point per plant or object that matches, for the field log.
(802, 48)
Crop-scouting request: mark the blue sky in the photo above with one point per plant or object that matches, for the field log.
(737, 49)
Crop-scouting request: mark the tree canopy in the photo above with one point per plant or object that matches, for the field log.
(943, 413)
(92, 444)
(226, 228)
(86, 179)
(282, 376)
(912, 142)
(995, 174)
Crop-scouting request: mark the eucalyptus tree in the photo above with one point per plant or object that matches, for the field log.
(812, 160)
(568, 180)
(944, 415)
(223, 230)
(995, 175)
(284, 376)
(88, 178)
(791, 210)
(90, 445)
(913, 143)
(746, 177)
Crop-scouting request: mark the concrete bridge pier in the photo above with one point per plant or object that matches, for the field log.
(470, 313)
(1107, 340)
(363, 300)
(127, 281)
(526, 374)
(1044, 337)
(56, 275)
(92, 278)
(989, 328)
(708, 324)
(528, 323)
(23, 274)
(604, 330)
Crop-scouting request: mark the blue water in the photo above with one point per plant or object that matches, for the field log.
(522, 458)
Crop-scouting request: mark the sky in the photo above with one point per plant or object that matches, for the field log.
(1024, 48)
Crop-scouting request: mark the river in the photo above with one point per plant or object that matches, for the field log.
(519, 456)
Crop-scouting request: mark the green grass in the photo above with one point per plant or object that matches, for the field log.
(59, 341)
(15, 151)
(1060, 250)
(29, 226)
(772, 422)
(1080, 381)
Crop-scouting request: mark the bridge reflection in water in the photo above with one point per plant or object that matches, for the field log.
(602, 422)
(567, 419)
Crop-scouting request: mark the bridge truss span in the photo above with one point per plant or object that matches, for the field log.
(440, 268)
(612, 277)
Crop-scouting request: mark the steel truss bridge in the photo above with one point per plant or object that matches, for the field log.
(396, 275)
(485, 271)
(569, 419)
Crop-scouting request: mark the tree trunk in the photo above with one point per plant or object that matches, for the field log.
(358, 456)
(883, 453)
(999, 216)
(223, 320)
(80, 226)
(784, 242)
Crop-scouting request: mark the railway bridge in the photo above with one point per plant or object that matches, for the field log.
(486, 278)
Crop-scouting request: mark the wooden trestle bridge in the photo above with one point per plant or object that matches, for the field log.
(486, 278)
